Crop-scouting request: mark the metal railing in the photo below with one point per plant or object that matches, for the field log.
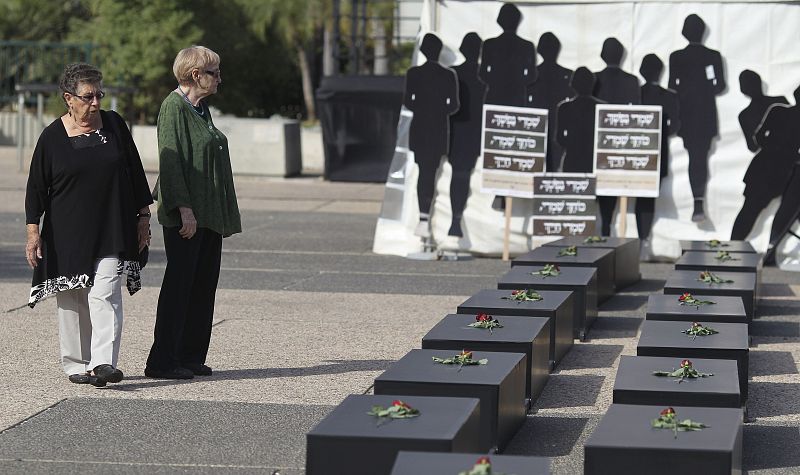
(32, 62)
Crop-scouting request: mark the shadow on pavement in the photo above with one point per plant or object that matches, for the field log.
(335, 367)
(547, 436)
(582, 390)
(591, 356)
(770, 447)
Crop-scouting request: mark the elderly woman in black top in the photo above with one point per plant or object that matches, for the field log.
(87, 180)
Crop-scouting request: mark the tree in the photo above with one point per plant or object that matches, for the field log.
(258, 78)
(139, 40)
(39, 20)
(298, 22)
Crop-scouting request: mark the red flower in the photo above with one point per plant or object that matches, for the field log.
(686, 364)
(703, 275)
(400, 403)
(482, 317)
(515, 292)
(483, 461)
(668, 412)
(466, 354)
(685, 296)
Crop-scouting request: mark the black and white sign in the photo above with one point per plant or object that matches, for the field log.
(627, 150)
(564, 204)
(514, 146)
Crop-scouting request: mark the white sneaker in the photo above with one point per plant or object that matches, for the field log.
(645, 251)
(423, 229)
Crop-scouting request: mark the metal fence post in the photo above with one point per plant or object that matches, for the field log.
(21, 131)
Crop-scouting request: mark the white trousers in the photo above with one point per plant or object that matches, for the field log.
(90, 320)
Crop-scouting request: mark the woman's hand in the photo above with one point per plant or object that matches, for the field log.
(33, 247)
(143, 232)
(189, 227)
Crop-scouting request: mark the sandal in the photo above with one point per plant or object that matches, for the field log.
(108, 373)
(79, 378)
(86, 378)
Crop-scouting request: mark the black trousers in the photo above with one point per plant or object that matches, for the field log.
(751, 209)
(186, 301)
(698, 165)
(645, 209)
(788, 210)
(607, 205)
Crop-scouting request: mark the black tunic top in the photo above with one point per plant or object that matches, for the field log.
(89, 189)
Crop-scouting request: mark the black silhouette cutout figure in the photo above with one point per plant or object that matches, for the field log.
(771, 167)
(550, 89)
(780, 125)
(508, 62)
(465, 128)
(613, 86)
(432, 95)
(575, 124)
(696, 74)
(655, 95)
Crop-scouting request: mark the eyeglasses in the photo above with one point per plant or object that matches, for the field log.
(216, 73)
(89, 97)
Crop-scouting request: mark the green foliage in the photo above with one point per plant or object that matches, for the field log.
(269, 48)
(258, 76)
(39, 20)
(139, 40)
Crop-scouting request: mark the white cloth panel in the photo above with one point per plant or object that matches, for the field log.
(759, 36)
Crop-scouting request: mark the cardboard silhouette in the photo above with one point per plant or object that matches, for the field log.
(508, 62)
(653, 94)
(771, 167)
(613, 86)
(696, 74)
(776, 141)
(465, 128)
(575, 124)
(779, 121)
(550, 89)
(431, 93)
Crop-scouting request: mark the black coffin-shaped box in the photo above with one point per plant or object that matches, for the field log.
(350, 441)
(428, 463)
(660, 338)
(743, 247)
(724, 309)
(528, 335)
(626, 256)
(602, 259)
(499, 384)
(624, 443)
(700, 261)
(744, 285)
(582, 281)
(556, 305)
(636, 384)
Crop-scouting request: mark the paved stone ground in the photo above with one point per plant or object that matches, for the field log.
(306, 315)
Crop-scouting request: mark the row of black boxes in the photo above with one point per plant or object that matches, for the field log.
(679, 405)
(468, 411)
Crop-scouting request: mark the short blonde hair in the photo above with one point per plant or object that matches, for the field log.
(193, 57)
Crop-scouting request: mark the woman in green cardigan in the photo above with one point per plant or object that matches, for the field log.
(197, 208)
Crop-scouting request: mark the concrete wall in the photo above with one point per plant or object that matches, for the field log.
(271, 147)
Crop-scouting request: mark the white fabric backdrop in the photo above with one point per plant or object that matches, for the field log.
(758, 36)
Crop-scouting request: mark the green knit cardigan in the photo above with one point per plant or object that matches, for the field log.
(194, 169)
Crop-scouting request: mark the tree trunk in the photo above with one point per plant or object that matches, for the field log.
(327, 51)
(308, 90)
(381, 65)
